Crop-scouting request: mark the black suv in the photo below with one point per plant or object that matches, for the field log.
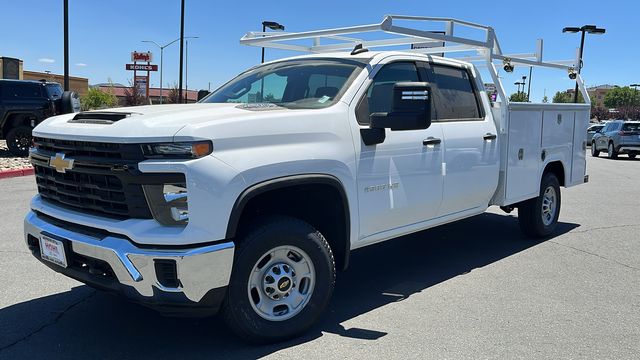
(24, 104)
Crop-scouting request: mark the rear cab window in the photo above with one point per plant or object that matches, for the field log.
(54, 91)
(631, 127)
(455, 96)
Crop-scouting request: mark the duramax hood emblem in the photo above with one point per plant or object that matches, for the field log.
(61, 164)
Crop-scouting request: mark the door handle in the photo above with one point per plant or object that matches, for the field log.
(431, 141)
(489, 136)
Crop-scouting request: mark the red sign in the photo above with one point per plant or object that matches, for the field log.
(141, 56)
(141, 67)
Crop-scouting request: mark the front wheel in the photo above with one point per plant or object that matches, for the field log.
(19, 140)
(611, 151)
(538, 217)
(282, 280)
(594, 151)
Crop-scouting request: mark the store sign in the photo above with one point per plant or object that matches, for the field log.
(141, 56)
(142, 67)
(141, 82)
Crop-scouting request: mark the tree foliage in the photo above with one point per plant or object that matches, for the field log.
(621, 97)
(172, 97)
(518, 97)
(98, 99)
(566, 97)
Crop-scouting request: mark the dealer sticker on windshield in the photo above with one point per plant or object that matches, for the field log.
(52, 250)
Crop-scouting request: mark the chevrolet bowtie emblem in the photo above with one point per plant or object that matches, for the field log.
(61, 164)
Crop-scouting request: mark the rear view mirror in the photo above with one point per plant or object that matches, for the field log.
(411, 109)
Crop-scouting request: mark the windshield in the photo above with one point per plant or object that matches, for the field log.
(54, 91)
(296, 84)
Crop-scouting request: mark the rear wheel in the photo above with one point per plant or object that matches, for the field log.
(538, 217)
(283, 278)
(594, 151)
(19, 140)
(611, 151)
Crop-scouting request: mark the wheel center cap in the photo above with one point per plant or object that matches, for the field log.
(284, 284)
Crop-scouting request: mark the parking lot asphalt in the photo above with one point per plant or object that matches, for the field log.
(472, 289)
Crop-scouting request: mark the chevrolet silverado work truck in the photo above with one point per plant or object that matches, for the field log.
(249, 201)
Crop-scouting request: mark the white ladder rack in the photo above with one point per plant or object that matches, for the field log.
(487, 50)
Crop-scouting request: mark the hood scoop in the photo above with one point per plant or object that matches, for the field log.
(99, 117)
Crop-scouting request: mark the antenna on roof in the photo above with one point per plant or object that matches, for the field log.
(358, 49)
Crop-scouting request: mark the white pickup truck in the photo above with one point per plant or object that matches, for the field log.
(249, 201)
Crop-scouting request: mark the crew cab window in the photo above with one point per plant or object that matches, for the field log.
(454, 96)
(296, 84)
(379, 96)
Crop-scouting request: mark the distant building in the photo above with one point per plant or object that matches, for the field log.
(154, 93)
(11, 68)
(597, 94)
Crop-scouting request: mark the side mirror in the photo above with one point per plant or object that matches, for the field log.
(202, 94)
(411, 109)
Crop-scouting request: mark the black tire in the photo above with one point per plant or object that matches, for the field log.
(611, 151)
(238, 310)
(19, 140)
(594, 151)
(632, 155)
(530, 212)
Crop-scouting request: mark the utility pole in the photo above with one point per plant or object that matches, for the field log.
(181, 50)
(66, 44)
(529, 88)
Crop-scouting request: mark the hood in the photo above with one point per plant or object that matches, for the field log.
(151, 123)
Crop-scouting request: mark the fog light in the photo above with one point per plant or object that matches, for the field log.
(168, 203)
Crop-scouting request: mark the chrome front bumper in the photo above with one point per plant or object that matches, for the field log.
(199, 269)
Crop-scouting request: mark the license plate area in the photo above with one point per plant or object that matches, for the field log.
(53, 250)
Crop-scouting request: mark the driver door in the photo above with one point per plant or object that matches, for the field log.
(400, 180)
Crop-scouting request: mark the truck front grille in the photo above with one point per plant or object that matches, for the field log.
(104, 179)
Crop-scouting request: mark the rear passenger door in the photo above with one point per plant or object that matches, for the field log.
(471, 156)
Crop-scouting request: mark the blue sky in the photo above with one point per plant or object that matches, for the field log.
(103, 33)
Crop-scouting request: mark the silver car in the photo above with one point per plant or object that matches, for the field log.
(592, 130)
(617, 137)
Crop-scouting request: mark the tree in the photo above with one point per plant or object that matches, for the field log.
(133, 95)
(621, 97)
(98, 99)
(545, 99)
(566, 97)
(518, 97)
(172, 97)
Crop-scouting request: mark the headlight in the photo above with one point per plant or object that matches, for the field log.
(168, 203)
(178, 150)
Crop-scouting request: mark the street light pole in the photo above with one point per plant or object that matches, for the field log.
(162, 58)
(181, 50)
(273, 26)
(66, 44)
(591, 29)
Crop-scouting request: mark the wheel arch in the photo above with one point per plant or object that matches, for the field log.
(12, 118)
(276, 196)
(557, 168)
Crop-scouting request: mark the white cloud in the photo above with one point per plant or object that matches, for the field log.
(46, 60)
(81, 64)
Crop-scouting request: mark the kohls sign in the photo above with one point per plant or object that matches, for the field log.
(141, 56)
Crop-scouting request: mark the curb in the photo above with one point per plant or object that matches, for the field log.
(5, 174)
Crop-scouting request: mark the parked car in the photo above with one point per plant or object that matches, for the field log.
(592, 130)
(251, 204)
(24, 104)
(617, 137)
